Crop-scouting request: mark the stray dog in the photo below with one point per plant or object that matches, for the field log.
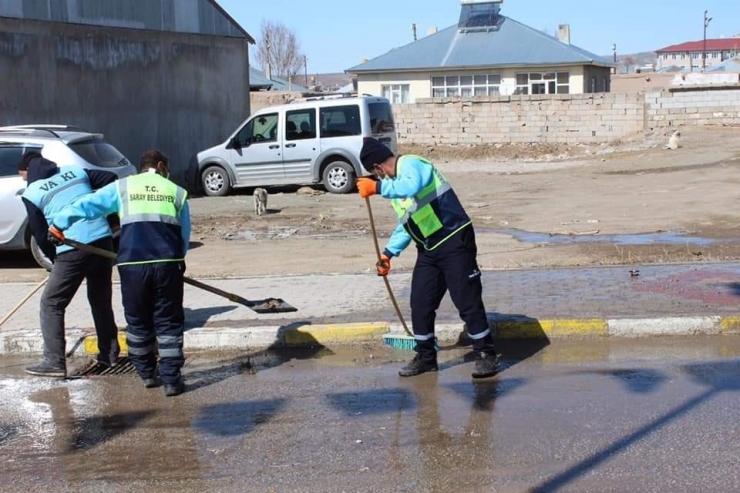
(260, 201)
(674, 142)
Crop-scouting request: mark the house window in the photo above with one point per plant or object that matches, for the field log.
(396, 93)
(543, 83)
(673, 56)
(466, 85)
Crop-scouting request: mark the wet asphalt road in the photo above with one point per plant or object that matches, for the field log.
(607, 416)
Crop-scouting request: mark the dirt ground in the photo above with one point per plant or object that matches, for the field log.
(532, 205)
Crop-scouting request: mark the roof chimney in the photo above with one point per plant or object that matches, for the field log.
(432, 30)
(564, 33)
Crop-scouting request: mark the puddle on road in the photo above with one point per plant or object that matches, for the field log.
(660, 238)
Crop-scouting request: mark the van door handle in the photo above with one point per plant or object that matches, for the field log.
(289, 145)
(20, 192)
(274, 146)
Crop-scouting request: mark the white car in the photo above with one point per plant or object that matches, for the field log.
(313, 140)
(63, 144)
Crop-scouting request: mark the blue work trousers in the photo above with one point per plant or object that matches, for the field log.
(152, 302)
(450, 267)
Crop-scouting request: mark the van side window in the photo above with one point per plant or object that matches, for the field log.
(263, 128)
(340, 121)
(300, 124)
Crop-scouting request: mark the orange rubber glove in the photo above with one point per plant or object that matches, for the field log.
(383, 265)
(367, 186)
(56, 236)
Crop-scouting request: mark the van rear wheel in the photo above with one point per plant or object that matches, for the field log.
(339, 177)
(216, 181)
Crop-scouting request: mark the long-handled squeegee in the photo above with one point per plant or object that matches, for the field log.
(268, 305)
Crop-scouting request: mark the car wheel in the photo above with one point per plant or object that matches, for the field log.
(39, 256)
(216, 181)
(339, 177)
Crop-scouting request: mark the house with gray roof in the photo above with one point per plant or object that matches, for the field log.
(258, 81)
(485, 54)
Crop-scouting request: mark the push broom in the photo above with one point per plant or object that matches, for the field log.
(406, 342)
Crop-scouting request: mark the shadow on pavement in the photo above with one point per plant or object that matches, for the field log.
(372, 402)
(237, 418)
(513, 346)
(252, 362)
(717, 377)
(196, 318)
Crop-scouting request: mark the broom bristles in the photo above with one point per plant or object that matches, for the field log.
(402, 342)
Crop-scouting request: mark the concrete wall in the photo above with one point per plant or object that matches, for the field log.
(177, 92)
(263, 99)
(587, 118)
(559, 118)
(717, 106)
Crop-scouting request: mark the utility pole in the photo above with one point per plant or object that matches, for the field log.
(305, 68)
(707, 20)
(269, 58)
(614, 49)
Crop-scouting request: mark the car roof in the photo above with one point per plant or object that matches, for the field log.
(321, 101)
(43, 134)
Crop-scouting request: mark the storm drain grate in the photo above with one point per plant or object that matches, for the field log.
(93, 368)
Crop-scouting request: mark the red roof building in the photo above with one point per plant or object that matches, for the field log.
(689, 55)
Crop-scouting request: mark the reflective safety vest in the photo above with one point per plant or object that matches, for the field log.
(434, 214)
(53, 194)
(150, 207)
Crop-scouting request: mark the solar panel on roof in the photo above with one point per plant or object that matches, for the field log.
(480, 16)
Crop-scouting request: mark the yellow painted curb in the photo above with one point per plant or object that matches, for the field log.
(309, 334)
(730, 325)
(533, 329)
(90, 344)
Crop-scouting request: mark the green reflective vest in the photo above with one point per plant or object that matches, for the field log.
(150, 207)
(434, 214)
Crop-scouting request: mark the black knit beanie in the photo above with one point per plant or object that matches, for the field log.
(373, 152)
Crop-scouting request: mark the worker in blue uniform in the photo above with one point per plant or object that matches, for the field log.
(431, 215)
(50, 188)
(155, 234)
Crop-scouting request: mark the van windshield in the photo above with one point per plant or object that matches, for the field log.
(381, 118)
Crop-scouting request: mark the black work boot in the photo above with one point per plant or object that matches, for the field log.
(420, 364)
(173, 389)
(152, 382)
(110, 361)
(487, 364)
(47, 369)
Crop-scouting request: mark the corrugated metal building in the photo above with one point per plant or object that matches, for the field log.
(485, 54)
(167, 74)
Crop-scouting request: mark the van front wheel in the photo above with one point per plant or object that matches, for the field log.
(339, 177)
(216, 181)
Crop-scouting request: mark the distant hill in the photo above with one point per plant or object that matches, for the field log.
(638, 59)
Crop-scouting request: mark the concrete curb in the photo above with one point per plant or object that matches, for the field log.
(210, 339)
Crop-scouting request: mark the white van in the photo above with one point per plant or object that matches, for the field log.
(313, 140)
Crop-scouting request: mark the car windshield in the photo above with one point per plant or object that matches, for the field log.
(99, 153)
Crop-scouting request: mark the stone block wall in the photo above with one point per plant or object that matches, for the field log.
(556, 118)
(693, 106)
(577, 118)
